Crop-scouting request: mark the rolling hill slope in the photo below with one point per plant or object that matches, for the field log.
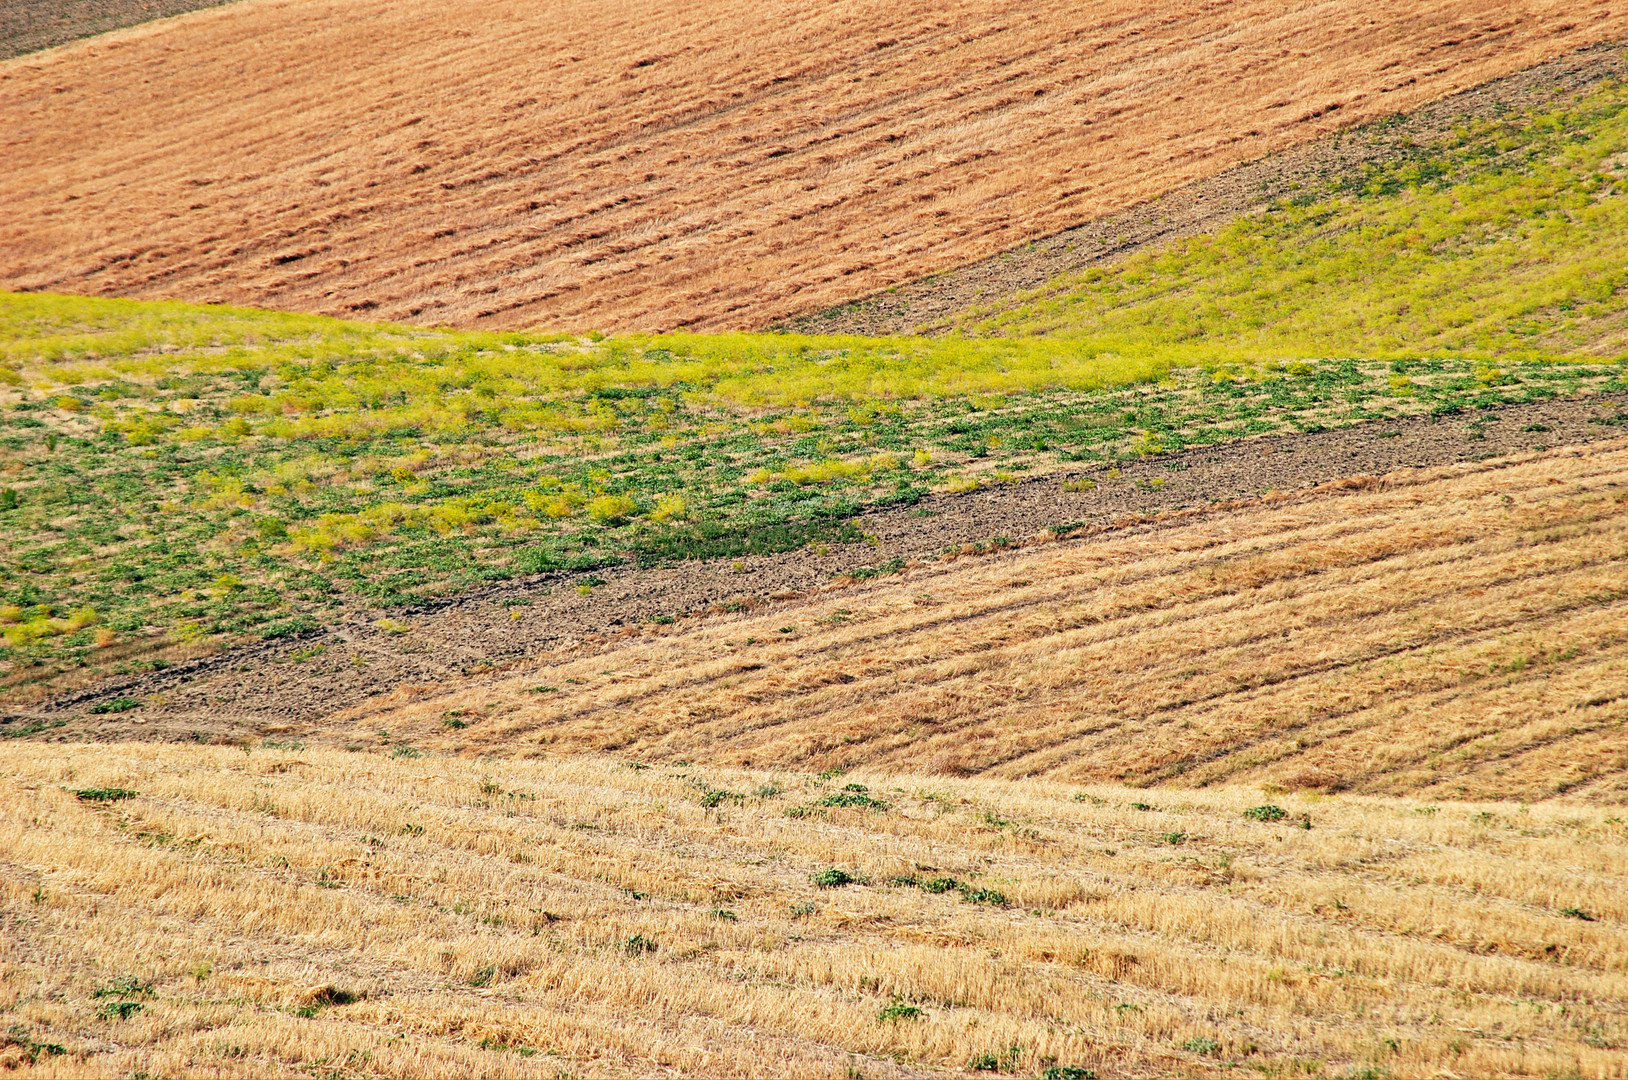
(1457, 634)
(659, 164)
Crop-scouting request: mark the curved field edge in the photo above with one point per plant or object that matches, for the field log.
(671, 164)
(1456, 635)
(180, 477)
(325, 910)
(1346, 161)
(45, 24)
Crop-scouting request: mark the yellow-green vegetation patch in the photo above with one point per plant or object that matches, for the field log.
(1505, 242)
(176, 473)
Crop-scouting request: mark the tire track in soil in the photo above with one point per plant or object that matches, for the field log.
(265, 690)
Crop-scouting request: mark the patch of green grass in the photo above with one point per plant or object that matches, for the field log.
(854, 796)
(106, 794)
(898, 1010)
(1267, 812)
(179, 474)
(833, 878)
(1507, 242)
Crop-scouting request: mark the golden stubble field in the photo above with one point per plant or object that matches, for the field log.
(1450, 633)
(1326, 783)
(318, 912)
(652, 164)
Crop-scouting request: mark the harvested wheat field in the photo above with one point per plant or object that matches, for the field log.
(657, 164)
(185, 911)
(1453, 633)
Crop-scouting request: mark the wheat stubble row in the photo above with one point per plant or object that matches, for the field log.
(1459, 632)
(477, 908)
(651, 164)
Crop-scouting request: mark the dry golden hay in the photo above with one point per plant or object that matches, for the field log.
(1456, 633)
(317, 911)
(646, 165)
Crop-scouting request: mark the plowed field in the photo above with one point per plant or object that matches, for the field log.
(657, 164)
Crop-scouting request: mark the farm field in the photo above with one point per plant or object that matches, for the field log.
(1454, 633)
(1191, 643)
(177, 478)
(661, 164)
(273, 910)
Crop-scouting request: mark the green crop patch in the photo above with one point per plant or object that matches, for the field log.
(1507, 242)
(180, 476)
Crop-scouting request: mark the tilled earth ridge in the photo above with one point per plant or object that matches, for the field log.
(283, 687)
(930, 304)
(31, 25)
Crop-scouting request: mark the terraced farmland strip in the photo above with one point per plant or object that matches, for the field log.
(662, 164)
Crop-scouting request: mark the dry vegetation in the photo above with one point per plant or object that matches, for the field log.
(322, 913)
(655, 164)
(1458, 634)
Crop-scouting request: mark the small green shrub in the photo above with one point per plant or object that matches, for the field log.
(1266, 813)
(119, 1010)
(832, 878)
(854, 800)
(104, 794)
(898, 1010)
(638, 945)
(116, 705)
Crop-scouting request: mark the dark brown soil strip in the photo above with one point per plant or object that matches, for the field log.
(930, 304)
(280, 688)
(31, 25)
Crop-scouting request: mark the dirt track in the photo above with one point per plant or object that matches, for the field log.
(930, 304)
(31, 25)
(283, 688)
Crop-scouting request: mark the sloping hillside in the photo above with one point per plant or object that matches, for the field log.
(657, 164)
(1457, 635)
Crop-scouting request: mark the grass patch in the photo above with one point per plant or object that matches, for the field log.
(180, 474)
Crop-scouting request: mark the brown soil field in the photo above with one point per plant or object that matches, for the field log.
(930, 304)
(30, 25)
(217, 911)
(273, 689)
(663, 164)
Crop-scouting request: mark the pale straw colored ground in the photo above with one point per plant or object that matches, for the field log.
(1424, 676)
(579, 916)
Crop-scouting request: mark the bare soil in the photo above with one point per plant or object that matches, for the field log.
(930, 304)
(31, 25)
(286, 687)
